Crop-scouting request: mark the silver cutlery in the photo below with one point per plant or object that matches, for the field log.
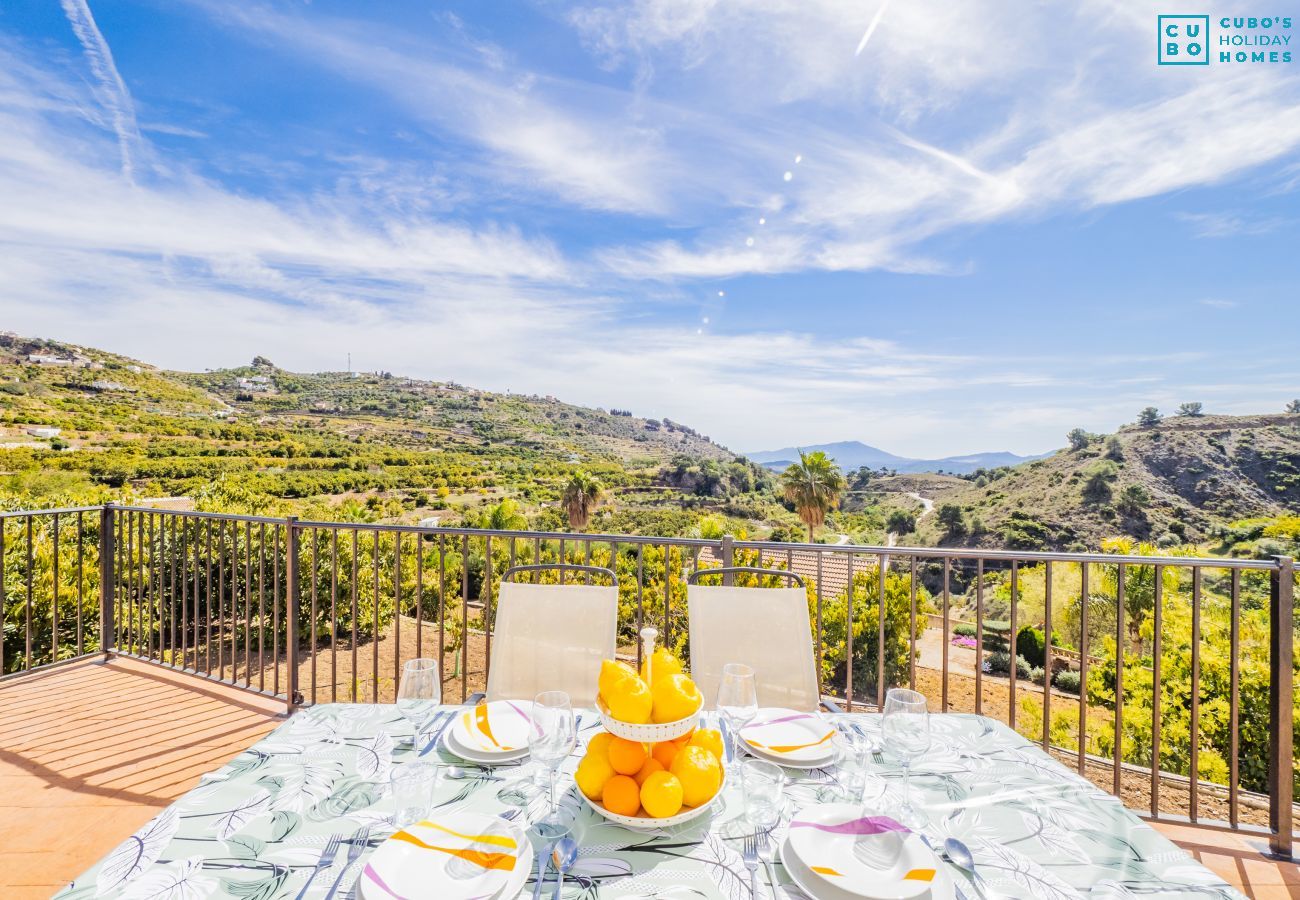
(541, 871)
(749, 853)
(356, 846)
(324, 862)
(433, 742)
(961, 857)
(461, 773)
(766, 854)
(564, 855)
(727, 748)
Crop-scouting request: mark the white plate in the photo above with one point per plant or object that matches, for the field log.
(403, 868)
(790, 738)
(498, 729)
(865, 856)
(645, 822)
(488, 759)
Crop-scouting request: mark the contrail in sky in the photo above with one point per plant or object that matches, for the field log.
(112, 91)
(871, 29)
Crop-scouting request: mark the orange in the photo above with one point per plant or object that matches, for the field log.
(658, 664)
(661, 795)
(675, 697)
(710, 739)
(664, 753)
(599, 743)
(592, 774)
(651, 766)
(626, 757)
(622, 796)
(700, 774)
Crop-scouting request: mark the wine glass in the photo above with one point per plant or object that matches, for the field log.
(419, 694)
(737, 702)
(552, 734)
(906, 730)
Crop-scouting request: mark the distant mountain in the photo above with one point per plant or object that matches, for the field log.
(855, 454)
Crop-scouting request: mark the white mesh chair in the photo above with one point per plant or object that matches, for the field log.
(767, 629)
(551, 637)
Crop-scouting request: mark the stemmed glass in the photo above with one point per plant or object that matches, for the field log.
(906, 730)
(737, 702)
(551, 738)
(419, 694)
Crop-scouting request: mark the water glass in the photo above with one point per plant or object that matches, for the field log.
(552, 734)
(419, 694)
(850, 754)
(737, 702)
(413, 785)
(906, 731)
(763, 784)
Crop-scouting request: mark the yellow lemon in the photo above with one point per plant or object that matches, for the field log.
(611, 673)
(675, 697)
(661, 795)
(710, 739)
(700, 774)
(651, 766)
(599, 743)
(660, 663)
(629, 701)
(593, 771)
(627, 757)
(622, 796)
(665, 752)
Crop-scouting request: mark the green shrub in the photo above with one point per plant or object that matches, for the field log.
(1036, 675)
(999, 663)
(1067, 680)
(961, 629)
(1029, 644)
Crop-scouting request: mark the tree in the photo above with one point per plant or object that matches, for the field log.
(1114, 451)
(1097, 479)
(261, 362)
(1133, 500)
(1078, 439)
(900, 521)
(1190, 409)
(1293, 406)
(813, 485)
(950, 517)
(581, 496)
(1149, 417)
(503, 516)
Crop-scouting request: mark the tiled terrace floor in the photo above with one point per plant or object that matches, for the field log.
(90, 752)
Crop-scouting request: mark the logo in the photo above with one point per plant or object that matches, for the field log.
(1183, 40)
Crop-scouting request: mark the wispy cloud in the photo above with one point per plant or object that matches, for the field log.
(111, 90)
(1232, 224)
(1216, 303)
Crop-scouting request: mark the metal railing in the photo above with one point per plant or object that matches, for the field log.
(1191, 708)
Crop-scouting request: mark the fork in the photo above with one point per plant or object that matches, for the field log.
(326, 860)
(749, 853)
(766, 854)
(356, 846)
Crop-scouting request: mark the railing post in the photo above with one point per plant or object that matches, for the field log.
(107, 576)
(1281, 765)
(728, 557)
(292, 697)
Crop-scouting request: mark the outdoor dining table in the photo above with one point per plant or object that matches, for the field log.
(258, 827)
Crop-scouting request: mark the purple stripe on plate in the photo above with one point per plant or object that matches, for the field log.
(374, 876)
(796, 717)
(863, 826)
(523, 715)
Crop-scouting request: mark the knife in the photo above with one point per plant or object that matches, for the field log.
(433, 741)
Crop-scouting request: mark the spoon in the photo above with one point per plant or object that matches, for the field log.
(563, 856)
(961, 857)
(455, 772)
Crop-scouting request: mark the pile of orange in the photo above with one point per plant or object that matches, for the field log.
(651, 780)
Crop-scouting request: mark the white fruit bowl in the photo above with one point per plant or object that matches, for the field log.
(650, 732)
(646, 822)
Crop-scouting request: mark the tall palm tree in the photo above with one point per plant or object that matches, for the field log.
(581, 496)
(813, 485)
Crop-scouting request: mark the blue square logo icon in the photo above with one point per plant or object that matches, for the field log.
(1183, 40)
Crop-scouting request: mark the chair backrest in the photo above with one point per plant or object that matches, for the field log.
(767, 629)
(551, 637)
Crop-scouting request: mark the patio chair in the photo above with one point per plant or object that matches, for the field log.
(551, 637)
(767, 629)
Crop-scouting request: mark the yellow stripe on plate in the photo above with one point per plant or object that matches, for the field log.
(919, 875)
(504, 861)
(791, 748)
(826, 870)
(497, 840)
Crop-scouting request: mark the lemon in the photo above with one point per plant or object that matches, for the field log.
(629, 701)
(710, 739)
(593, 771)
(661, 795)
(660, 663)
(700, 774)
(599, 743)
(611, 673)
(675, 697)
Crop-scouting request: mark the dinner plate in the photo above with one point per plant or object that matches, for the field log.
(458, 857)
(848, 854)
(498, 729)
(488, 759)
(790, 738)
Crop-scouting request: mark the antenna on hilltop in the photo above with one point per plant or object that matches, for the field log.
(349, 363)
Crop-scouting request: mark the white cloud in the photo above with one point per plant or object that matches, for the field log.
(111, 91)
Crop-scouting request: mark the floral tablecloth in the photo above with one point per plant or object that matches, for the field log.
(256, 828)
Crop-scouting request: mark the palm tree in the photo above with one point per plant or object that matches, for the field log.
(504, 516)
(813, 485)
(581, 496)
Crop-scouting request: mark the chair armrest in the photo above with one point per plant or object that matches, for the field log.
(475, 698)
(830, 706)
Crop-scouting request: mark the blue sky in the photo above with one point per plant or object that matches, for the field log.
(1000, 221)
